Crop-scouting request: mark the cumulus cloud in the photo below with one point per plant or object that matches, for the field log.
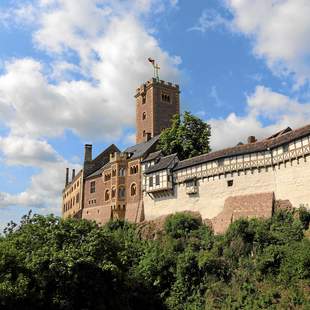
(98, 51)
(45, 186)
(278, 111)
(116, 63)
(279, 30)
(27, 152)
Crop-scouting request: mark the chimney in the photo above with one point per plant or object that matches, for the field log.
(251, 139)
(88, 152)
(73, 174)
(147, 136)
(67, 176)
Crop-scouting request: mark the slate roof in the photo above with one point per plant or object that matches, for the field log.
(283, 137)
(99, 171)
(102, 159)
(139, 150)
(163, 163)
(152, 156)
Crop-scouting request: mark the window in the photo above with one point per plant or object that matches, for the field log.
(191, 183)
(113, 172)
(77, 198)
(122, 172)
(157, 179)
(133, 169)
(143, 100)
(107, 195)
(133, 190)
(107, 177)
(78, 183)
(165, 97)
(151, 181)
(230, 183)
(220, 162)
(285, 148)
(121, 192)
(113, 192)
(144, 115)
(93, 187)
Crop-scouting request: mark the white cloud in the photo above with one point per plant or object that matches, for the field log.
(40, 100)
(90, 106)
(27, 152)
(45, 186)
(209, 20)
(278, 110)
(280, 29)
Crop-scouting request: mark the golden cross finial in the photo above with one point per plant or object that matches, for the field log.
(156, 68)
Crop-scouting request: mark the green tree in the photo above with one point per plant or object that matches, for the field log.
(188, 136)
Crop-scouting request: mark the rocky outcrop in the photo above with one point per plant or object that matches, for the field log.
(155, 228)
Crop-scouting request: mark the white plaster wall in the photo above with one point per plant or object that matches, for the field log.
(290, 181)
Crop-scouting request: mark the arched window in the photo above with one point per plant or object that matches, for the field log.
(113, 192)
(144, 115)
(133, 189)
(122, 172)
(107, 195)
(121, 192)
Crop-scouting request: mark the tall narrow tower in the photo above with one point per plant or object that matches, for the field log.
(157, 102)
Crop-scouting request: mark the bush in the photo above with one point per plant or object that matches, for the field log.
(181, 224)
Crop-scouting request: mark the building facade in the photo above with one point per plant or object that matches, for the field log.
(255, 174)
(139, 183)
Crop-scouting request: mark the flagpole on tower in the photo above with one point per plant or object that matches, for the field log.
(156, 68)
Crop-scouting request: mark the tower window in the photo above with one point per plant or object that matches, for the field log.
(165, 97)
(107, 195)
(230, 183)
(113, 192)
(143, 100)
(144, 115)
(133, 189)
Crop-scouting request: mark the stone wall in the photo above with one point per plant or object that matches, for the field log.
(243, 206)
(287, 181)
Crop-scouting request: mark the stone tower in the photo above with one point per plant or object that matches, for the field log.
(156, 103)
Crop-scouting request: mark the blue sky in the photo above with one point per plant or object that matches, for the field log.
(69, 69)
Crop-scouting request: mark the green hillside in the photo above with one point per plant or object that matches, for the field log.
(51, 263)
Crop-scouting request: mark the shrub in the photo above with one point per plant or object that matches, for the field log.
(181, 224)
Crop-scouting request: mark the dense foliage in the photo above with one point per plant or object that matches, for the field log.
(188, 136)
(51, 263)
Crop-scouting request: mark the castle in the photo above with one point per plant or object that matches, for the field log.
(139, 183)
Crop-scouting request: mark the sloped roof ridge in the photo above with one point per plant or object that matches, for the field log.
(163, 163)
(105, 151)
(246, 148)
